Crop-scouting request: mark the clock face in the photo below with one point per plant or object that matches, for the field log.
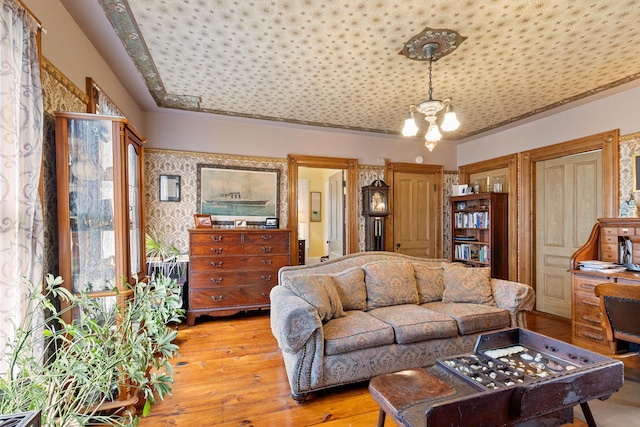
(378, 202)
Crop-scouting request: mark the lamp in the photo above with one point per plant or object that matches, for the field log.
(431, 45)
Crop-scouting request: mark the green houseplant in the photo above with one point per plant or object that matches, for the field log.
(86, 364)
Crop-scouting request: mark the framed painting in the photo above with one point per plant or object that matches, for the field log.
(230, 193)
(636, 172)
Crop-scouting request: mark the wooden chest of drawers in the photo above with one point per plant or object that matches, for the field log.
(233, 270)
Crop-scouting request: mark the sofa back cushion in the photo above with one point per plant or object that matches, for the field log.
(430, 282)
(466, 284)
(390, 283)
(351, 289)
(320, 291)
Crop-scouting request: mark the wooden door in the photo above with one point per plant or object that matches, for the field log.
(415, 214)
(335, 233)
(568, 203)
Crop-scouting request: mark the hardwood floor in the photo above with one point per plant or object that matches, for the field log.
(230, 373)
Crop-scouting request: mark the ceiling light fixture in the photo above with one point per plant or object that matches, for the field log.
(431, 45)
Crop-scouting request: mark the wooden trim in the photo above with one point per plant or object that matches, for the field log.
(608, 142)
(351, 197)
(511, 163)
(390, 169)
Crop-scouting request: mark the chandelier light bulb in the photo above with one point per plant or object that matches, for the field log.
(433, 134)
(410, 128)
(450, 122)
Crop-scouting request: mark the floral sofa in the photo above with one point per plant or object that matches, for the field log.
(352, 318)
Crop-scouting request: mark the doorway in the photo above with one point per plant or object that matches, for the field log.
(608, 144)
(568, 204)
(349, 169)
(414, 226)
(321, 213)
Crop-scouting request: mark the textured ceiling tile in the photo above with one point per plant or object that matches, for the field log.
(337, 63)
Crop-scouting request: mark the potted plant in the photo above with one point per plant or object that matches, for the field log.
(77, 373)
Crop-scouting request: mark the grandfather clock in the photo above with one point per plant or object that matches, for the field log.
(375, 207)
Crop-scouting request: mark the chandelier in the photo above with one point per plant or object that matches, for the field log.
(431, 45)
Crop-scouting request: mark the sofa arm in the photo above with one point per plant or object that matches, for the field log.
(293, 320)
(513, 296)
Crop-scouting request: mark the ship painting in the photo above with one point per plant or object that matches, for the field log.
(233, 193)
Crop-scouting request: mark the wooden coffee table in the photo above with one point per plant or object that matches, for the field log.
(441, 395)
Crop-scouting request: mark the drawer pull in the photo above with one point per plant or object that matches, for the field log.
(216, 299)
(266, 261)
(587, 286)
(590, 319)
(266, 237)
(216, 281)
(592, 336)
(216, 264)
(590, 303)
(267, 278)
(266, 249)
(217, 238)
(217, 250)
(262, 294)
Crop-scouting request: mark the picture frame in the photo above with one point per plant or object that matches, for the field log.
(271, 223)
(240, 223)
(316, 205)
(228, 193)
(169, 188)
(202, 220)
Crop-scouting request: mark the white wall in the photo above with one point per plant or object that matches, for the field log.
(178, 130)
(617, 109)
(65, 45)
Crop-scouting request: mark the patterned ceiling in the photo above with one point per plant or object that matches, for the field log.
(338, 63)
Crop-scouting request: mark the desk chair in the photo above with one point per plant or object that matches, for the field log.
(620, 308)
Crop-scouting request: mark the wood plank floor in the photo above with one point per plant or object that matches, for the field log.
(230, 373)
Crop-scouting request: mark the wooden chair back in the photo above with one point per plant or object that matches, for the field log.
(620, 308)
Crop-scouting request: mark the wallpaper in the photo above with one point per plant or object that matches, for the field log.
(172, 219)
(629, 146)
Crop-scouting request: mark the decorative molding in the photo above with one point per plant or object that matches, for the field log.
(63, 80)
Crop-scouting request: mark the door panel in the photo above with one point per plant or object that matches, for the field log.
(336, 216)
(414, 210)
(567, 206)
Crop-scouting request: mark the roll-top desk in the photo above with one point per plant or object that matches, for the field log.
(233, 270)
(604, 244)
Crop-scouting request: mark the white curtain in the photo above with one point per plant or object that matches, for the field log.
(21, 223)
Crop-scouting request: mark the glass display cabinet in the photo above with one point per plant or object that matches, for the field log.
(100, 210)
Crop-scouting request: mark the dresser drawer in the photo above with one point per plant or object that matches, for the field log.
(588, 283)
(214, 249)
(216, 238)
(594, 335)
(238, 262)
(586, 313)
(268, 249)
(229, 296)
(214, 278)
(266, 237)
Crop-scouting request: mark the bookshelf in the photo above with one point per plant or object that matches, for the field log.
(479, 225)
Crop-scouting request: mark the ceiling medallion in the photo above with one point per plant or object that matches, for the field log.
(446, 41)
(431, 45)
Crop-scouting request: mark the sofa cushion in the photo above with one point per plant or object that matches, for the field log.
(412, 323)
(390, 283)
(351, 288)
(473, 318)
(466, 284)
(320, 291)
(430, 282)
(355, 331)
